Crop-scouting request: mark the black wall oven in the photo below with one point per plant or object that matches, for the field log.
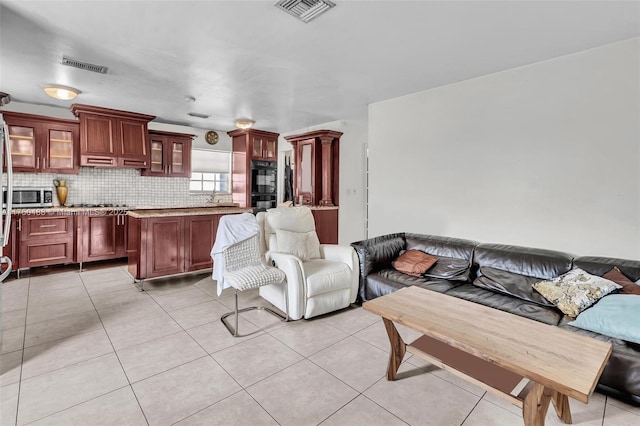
(264, 184)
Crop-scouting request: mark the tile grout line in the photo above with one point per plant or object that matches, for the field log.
(474, 407)
(114, 350)
(210, 355)
(24, 338)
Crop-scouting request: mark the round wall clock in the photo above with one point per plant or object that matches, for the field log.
(211, 137)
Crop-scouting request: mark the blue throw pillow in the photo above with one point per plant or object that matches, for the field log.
(616, 315)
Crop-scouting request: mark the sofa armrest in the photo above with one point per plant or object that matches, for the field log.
(375, 254)
(344, 254)
(292, 267)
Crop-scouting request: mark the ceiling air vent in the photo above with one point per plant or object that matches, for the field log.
(198, 115)
(305, 10)
(84, 65)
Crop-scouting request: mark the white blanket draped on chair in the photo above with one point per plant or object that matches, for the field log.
(232, 229)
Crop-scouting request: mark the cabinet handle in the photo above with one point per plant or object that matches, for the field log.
(47, 226)
(37, 162)
(20, 224)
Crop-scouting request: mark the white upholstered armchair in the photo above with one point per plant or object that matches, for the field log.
(321, 278)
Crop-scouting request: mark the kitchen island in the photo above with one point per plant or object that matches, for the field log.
(169, 241)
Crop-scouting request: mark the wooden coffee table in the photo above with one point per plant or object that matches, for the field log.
(524, 361)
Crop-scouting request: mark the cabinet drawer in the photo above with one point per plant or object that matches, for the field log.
(46, 227)
(42, 253)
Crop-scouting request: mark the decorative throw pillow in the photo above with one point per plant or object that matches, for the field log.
(575, 291)
(304, 245)
(414, 262)
(628, 286)
(616, 316)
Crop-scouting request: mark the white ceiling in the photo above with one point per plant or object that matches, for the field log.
(249, 59)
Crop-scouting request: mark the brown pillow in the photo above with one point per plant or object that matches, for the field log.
(628, 286)
(414, 262)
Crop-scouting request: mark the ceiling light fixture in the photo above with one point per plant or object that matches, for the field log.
(63, 93)
(244, 123)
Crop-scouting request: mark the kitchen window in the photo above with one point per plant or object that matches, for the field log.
(210, 171)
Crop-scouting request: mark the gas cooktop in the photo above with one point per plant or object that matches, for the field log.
(96, 205)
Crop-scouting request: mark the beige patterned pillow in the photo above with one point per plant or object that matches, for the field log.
(304, 245)
(575, 291)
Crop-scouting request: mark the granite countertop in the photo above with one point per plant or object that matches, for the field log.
(186, 211)
(323, 207)
(114, 210)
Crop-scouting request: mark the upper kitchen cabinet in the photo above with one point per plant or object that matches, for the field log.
(112, 138)
(170, 154)
(43, 144)
(316, 164)
(264, 147)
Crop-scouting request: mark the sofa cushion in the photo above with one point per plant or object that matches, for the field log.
(389, 280)
(511, 284)
(575, 291)
(616, 315)
(414, 262)
(449, 268)
(324, 276)
(628, 286)
(438, 246)
(532, 262)
(506, 303)
(601, 265)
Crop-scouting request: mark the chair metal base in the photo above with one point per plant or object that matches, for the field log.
(234, 331)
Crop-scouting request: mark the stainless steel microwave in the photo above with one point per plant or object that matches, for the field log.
(29, 197)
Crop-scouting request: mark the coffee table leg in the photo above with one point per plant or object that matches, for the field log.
(398, 349)
(561, 404)
(536, 403)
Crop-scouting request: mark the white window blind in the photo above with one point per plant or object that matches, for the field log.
(210, 171)
(206, 161)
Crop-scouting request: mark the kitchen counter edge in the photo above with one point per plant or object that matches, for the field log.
(193, 211)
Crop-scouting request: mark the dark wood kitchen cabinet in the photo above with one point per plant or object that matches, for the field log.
(170, 154)
(264, 147)
(45, 240)
(316, 164)
(101, 236)
(248, 145)
(165, 246)
(112, 138)
(43, 144)
(12, 249)
(169, 245)
(159, 246)
(200, 234)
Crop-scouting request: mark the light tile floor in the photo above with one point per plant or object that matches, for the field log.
(89, 349)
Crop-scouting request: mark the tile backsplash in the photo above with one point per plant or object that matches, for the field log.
(120, 186)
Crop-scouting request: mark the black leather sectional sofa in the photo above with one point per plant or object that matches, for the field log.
(500, 276)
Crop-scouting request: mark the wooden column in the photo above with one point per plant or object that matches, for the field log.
(327, 170)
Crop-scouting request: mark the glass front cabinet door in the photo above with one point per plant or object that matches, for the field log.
(170, 154)
(42, 144)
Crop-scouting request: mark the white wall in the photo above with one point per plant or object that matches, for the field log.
(545, 155)
(352, 213)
